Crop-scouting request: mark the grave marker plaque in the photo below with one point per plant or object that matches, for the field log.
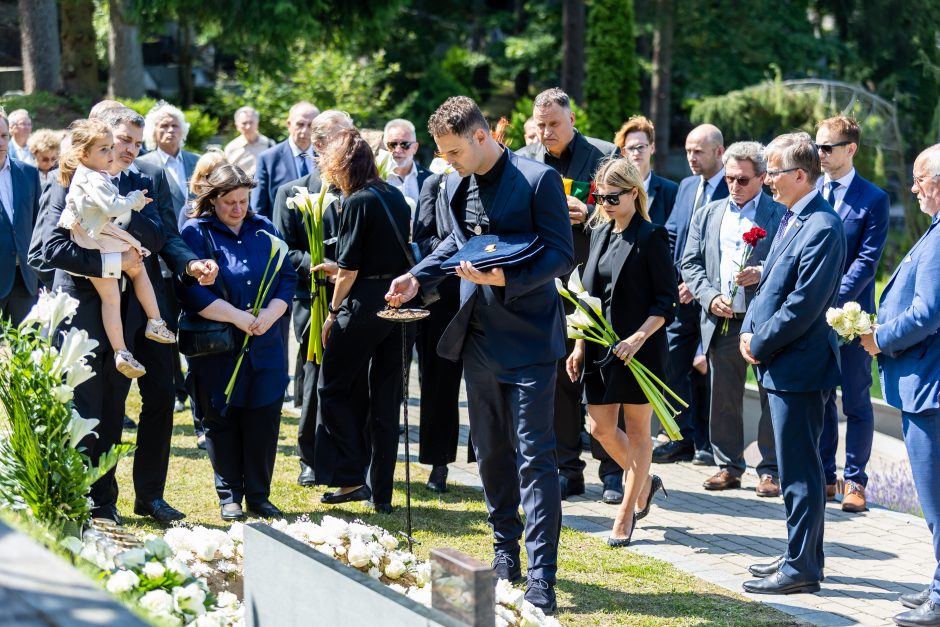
(463, 587)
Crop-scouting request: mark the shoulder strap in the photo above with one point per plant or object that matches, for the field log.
(210, 246)
(409, 255)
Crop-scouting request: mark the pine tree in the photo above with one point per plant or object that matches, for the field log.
(612, 81)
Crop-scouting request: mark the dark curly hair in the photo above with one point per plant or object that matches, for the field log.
(348, 162)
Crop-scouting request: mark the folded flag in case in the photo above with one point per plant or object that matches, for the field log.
(491, 251)
(581, 190)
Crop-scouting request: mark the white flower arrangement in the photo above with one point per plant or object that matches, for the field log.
(849, 321)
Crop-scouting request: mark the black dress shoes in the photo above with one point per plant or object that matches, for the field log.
(766, 570)
(231, 511)
(656, 484)
(779, 583)
(914, 600)
(618, 543)
(541, 594)
(437, 482)
(159, 510)
(570, 487)
(266, 509)
(306, 478)
(675, 451)
(383, 508)
(362, 493)
(107, 511)
(506, 566)
(926, 615)
(703, 457)
(613, 488)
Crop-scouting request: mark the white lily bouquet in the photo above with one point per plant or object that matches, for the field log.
(44, 471)
(588, 323)
(849, 321)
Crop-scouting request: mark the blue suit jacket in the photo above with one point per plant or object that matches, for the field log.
(275, 167)
(661, 198)
(26, 192)
(523, 321)
(864, 213)
(677, 223)
(797, 348)
(909, 316)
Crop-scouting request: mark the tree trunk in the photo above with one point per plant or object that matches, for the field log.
(661, 83)
(39, 37)
(572, 49)
(79, 61)
(126, 77)
(184, 47)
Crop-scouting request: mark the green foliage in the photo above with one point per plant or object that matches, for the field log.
(48, 110)
(202, 126)
(612, 75)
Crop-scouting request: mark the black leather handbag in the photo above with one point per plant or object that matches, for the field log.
(198, 336)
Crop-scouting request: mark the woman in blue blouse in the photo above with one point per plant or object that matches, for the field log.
(241, 436)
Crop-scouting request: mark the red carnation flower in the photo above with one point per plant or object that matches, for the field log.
(753, 236)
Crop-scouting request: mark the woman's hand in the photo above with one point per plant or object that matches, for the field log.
(266, 318)
(327, 325)
(329, 268)
(244, 321)
(575, 361)
(626, 349)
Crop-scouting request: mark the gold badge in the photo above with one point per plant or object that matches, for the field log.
(490, 249)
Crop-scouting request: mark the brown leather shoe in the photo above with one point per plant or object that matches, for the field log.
(722, 480)
(831, 491)
(853, 499)
(768, 486)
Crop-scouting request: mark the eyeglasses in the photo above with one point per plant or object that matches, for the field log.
(610, 199)
(827, 148)
(920, 180)
(772, 174)
(402, 145)
(637, 148)
(743, 181)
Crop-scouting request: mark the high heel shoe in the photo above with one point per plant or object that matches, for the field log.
(655, 484)
(618, 543)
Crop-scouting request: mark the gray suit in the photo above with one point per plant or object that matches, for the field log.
(727, 369)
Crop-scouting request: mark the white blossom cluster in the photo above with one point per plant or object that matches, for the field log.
(849, 321)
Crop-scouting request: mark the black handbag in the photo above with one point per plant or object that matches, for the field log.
(198, 336)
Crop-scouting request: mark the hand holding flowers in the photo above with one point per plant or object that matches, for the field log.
(849, 321)
(745, 276)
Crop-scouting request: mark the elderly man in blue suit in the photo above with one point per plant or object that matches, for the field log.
(863, 208)
(905, 340)
(786, 336)
(19, 208)
(509, 331)
(289, 160)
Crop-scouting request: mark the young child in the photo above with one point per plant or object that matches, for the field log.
(92, 206)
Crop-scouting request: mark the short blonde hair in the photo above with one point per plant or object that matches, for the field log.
(204, 166)
(624, 175)
(44, 140)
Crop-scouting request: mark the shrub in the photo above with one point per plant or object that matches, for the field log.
(202, 126)
(48, 110)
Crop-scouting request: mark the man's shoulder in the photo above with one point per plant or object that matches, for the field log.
(606, 147)
(238, 142)
(531, 169)
(149, 162)
(273, 152)
(530, 151)
(692, 181)
(869, 189)
(663, 183)
(310, 181)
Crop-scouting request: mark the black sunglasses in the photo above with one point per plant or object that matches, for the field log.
(827, 148)
(740, 180)
(610, 199)
(394, 145)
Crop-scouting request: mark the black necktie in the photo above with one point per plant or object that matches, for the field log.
(700, 199)
(116, 180)
(304, 169)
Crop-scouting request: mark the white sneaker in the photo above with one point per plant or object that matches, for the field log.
(159, 332)
(127, 365)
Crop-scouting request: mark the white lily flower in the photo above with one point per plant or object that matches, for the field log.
(62, 393)
(383, 163)
(76, 346)
(574, 283)
(593, 302)
(579, 320)
(51, 310)
(440, 166)
(190, 599)
(122, 581)
(575, 334)
(560, 287)
(78, 374)
(80, 427)
(157, 602)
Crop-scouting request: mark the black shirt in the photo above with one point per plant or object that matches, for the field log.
(365, 241)
(481, 195)
(562, 162)
(605, 269)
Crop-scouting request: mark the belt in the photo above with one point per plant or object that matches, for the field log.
(379, 277)
(739, 316)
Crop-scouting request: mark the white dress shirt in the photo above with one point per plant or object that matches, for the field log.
(408, 184)
(823, 187)
(21, 153)
(175, 170)
(734, 224)
(646, 183)
(6, 188)
(298, 160)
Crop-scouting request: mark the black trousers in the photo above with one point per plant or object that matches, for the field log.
(172, 321)
(360, 389)
(15, 305)
(440, 382)
(569, 421)
(155, 426)
(242, 446)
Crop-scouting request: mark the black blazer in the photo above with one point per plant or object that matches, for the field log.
(661, 198)
(644, 282)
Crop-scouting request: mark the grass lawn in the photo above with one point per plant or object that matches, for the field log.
(597, 585)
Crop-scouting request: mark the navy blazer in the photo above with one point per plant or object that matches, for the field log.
(909, 315)
(276, 166)
(677, 224)
(797, 348)
(151, 165)
(15, 236)
(864, 212)
(661, 198)
(523, 321)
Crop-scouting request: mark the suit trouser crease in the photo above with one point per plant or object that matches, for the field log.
(569, 421)
(859, 418)
(155, 424)
(922, 440)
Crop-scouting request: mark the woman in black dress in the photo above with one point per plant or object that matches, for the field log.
(360, 385)
(629, 269)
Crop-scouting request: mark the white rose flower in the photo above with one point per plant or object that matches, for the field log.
(177, 538)
(528, 619)
(227, 599)
(863, 326)
(834, 316)
(154, 570)
(394, 569)
(507, 595)
(237, 532)
(389, 541)
(398, 588)
(178, 567)
(157, 547)
(279, 525)
(375, 573)
(501, 622)
(200, 569)
(157, 602)
(423, 574)
(212, 619)
(852, 307)
(325, 548)
(333, 527)
(358, 555)
(421, 595)
(190, 599)
(132, 558)
(122, 581)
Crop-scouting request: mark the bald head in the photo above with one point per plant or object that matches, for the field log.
(703, 149)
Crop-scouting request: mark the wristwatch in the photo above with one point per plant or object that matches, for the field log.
(330, 309)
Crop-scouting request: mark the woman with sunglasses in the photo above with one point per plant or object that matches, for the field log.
(629, 268)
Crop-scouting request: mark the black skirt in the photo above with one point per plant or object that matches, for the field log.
(614, 383)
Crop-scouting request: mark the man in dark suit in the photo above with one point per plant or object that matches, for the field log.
(165, 131)
(19, 209)
(710, 267)
(289, 160)
(291, 225)
(577, 157)
(906, 342)
(704, 147)
(863, 208)
(510, 333)
(785, 334)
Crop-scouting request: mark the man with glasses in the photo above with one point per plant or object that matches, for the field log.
(704, 147)
(863, 208)
(785, 334)
(407, 174)
(710, 268)
(576, 157)
(291, 159)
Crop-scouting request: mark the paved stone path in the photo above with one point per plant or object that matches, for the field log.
(870, 557)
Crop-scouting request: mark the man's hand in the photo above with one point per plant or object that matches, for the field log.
(721, 307)
(745, 346)
(869, 343)
(402, 289)
(481, 277)
(685, 294)
(748, 276)
(203, 270)
(131, 260)
(577, 210)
